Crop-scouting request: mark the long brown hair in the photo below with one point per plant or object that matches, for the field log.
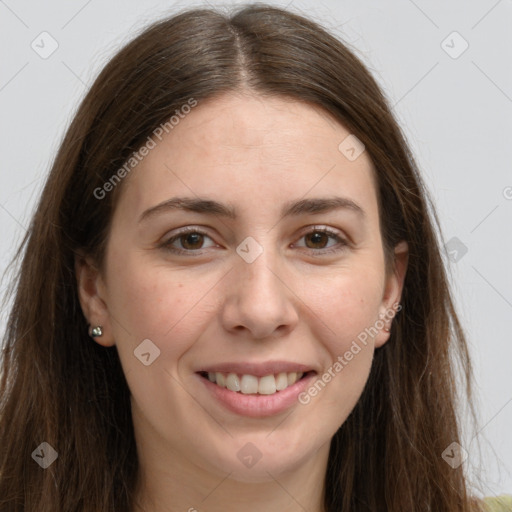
(60, 387)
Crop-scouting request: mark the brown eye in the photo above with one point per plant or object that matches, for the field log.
(192, 240)
(318, 239)
(321, 241)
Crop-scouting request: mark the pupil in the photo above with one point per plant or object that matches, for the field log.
(316, 238)
(196, 239)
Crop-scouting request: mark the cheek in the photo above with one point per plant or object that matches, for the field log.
(347, 302)
(153, 302)
(347, 306)
(169, 308)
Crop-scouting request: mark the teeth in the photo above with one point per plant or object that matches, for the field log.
(281, 381)
(250, 385)
(221, 379)
(267, 385)
(233, 382)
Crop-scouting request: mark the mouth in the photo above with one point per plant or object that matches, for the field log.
(248, 384)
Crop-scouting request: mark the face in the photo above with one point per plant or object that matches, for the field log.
(271, 267)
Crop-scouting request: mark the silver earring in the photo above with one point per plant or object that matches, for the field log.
(95, 332)
(386, 329)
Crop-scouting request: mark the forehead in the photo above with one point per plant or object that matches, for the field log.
(250, 149)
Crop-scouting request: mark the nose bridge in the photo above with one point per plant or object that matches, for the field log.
(258, 298)
(258, 276)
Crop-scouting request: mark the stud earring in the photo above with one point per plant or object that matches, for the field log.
(95, 332)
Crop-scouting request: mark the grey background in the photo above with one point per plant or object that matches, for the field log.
(455, 112)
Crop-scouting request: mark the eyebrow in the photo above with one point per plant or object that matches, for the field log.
(291, 208)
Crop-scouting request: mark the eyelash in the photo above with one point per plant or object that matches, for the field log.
(166, 245)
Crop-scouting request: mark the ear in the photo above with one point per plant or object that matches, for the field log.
(393, 292)
(91, 295)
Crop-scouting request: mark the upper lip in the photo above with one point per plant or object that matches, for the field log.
(256, 369)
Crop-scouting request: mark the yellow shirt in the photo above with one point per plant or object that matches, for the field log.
(499, 503)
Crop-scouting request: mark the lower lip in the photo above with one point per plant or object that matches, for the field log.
(258, 406)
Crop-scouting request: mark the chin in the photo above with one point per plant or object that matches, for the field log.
(252, 465)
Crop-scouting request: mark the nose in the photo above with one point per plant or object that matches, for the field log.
(260, 301)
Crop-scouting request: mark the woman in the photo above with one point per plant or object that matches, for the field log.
(231, 293)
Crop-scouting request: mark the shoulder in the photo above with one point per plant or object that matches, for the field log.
(499, 503)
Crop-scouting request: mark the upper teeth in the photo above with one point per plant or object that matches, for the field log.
(249, 384)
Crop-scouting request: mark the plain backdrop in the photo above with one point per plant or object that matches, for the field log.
(446, 68)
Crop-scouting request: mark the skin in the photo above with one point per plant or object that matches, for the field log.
(295, 302)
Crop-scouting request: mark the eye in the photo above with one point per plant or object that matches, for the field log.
(191, 240)
(318, 238)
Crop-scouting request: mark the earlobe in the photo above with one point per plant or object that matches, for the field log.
(94, 308)
(393, 292)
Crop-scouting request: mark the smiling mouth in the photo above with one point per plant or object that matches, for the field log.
(252, 385)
